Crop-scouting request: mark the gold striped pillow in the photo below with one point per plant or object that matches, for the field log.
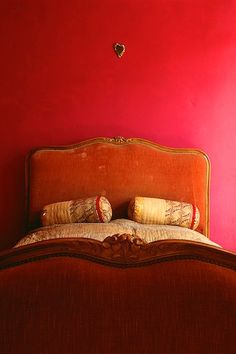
(94, 209)
(163, 212)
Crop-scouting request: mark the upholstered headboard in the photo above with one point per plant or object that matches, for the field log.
(119, 169)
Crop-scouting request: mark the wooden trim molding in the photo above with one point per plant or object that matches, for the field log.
(119, 251)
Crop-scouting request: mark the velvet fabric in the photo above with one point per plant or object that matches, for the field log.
(67, 305)
(120, 172)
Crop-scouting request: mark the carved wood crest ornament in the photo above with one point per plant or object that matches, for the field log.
(118, 140)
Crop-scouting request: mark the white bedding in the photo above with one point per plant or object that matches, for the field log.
(100, 231)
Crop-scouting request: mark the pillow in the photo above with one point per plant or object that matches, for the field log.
(97, 231)
(151, 233)
(94, 209)
(148, 233)
(163, 212)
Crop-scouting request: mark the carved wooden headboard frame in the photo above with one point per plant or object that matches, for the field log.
(119, 168)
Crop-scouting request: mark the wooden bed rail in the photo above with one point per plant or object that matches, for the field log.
(120, 251)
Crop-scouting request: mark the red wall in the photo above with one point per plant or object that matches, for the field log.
(61, 82)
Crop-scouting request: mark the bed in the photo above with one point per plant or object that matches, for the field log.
(121, 293)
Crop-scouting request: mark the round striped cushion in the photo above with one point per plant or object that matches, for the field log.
(94, 209)
(163, 212)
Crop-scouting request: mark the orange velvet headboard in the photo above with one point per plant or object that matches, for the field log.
(119, 169)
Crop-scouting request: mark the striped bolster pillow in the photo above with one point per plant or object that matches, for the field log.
(163, 212)
(94, 209)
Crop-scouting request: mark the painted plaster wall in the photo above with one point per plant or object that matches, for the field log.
(61, 82)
